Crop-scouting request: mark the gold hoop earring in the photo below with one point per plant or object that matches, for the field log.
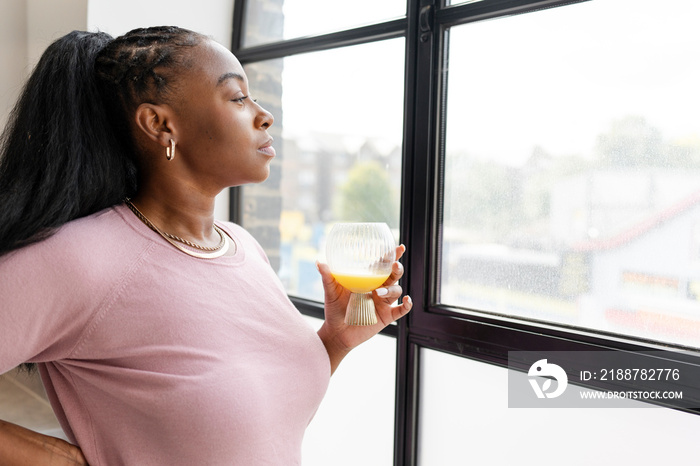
(170, 151)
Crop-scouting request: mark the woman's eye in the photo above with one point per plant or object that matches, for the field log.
(240, 99)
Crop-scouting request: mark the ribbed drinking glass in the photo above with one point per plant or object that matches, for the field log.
(360, 256)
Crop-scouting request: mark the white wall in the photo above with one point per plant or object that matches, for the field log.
(13, 40)
(27, 27)
(47, 20)
(211, 17)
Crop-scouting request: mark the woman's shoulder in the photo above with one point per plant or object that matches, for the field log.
(91, 244)
(106, 227)
(99, 223)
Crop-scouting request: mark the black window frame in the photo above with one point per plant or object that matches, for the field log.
(471, 334)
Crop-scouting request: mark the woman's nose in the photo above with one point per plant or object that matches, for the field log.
(264, 119)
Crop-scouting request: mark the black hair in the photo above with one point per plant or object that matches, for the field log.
(56, 151)
(67, 150)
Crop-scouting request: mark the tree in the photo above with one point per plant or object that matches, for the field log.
(367, 196)
(481, 196)
(631, 142)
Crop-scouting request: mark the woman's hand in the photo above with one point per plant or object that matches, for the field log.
(20, 446)
(338, 337)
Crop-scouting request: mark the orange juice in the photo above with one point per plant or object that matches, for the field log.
(360, 283)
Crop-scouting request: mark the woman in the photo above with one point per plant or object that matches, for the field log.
(162, 336)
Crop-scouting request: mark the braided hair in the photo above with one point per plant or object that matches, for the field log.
(142, 66)
(67, 151)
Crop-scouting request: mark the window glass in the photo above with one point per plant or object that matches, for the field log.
(338, 131)
(355, 423)
(274, 20)
(572, 171)
(465, 419)
(460, 2)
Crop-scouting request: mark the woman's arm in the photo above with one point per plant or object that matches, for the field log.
(339, 338)
(20, 446)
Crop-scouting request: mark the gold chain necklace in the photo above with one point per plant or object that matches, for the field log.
(209, 252)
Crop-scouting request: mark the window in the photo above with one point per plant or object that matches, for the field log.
(465, 421)
(362, 389)
(345, 118)
(273, 20)
(540, 159)
(572, 169)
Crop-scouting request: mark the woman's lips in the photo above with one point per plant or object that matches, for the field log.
(267, 149)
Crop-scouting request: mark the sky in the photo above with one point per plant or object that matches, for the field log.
(556, 78)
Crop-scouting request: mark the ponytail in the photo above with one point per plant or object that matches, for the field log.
(61, 157)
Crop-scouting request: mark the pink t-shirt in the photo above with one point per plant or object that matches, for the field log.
(153, 357)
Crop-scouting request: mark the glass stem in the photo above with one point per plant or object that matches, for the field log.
(360, 310)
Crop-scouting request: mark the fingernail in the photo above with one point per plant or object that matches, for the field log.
(410, 301)
(382, 291)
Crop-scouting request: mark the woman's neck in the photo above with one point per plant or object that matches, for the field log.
(187, 215)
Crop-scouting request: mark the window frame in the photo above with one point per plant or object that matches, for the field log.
(465, 333)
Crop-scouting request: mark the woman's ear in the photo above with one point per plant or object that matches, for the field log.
(155, 122)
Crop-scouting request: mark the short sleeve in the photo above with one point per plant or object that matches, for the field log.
(39, 306)
(51, 290)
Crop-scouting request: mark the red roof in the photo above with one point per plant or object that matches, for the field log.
(641, 228)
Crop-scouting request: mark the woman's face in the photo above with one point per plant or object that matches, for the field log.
(221, 131)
